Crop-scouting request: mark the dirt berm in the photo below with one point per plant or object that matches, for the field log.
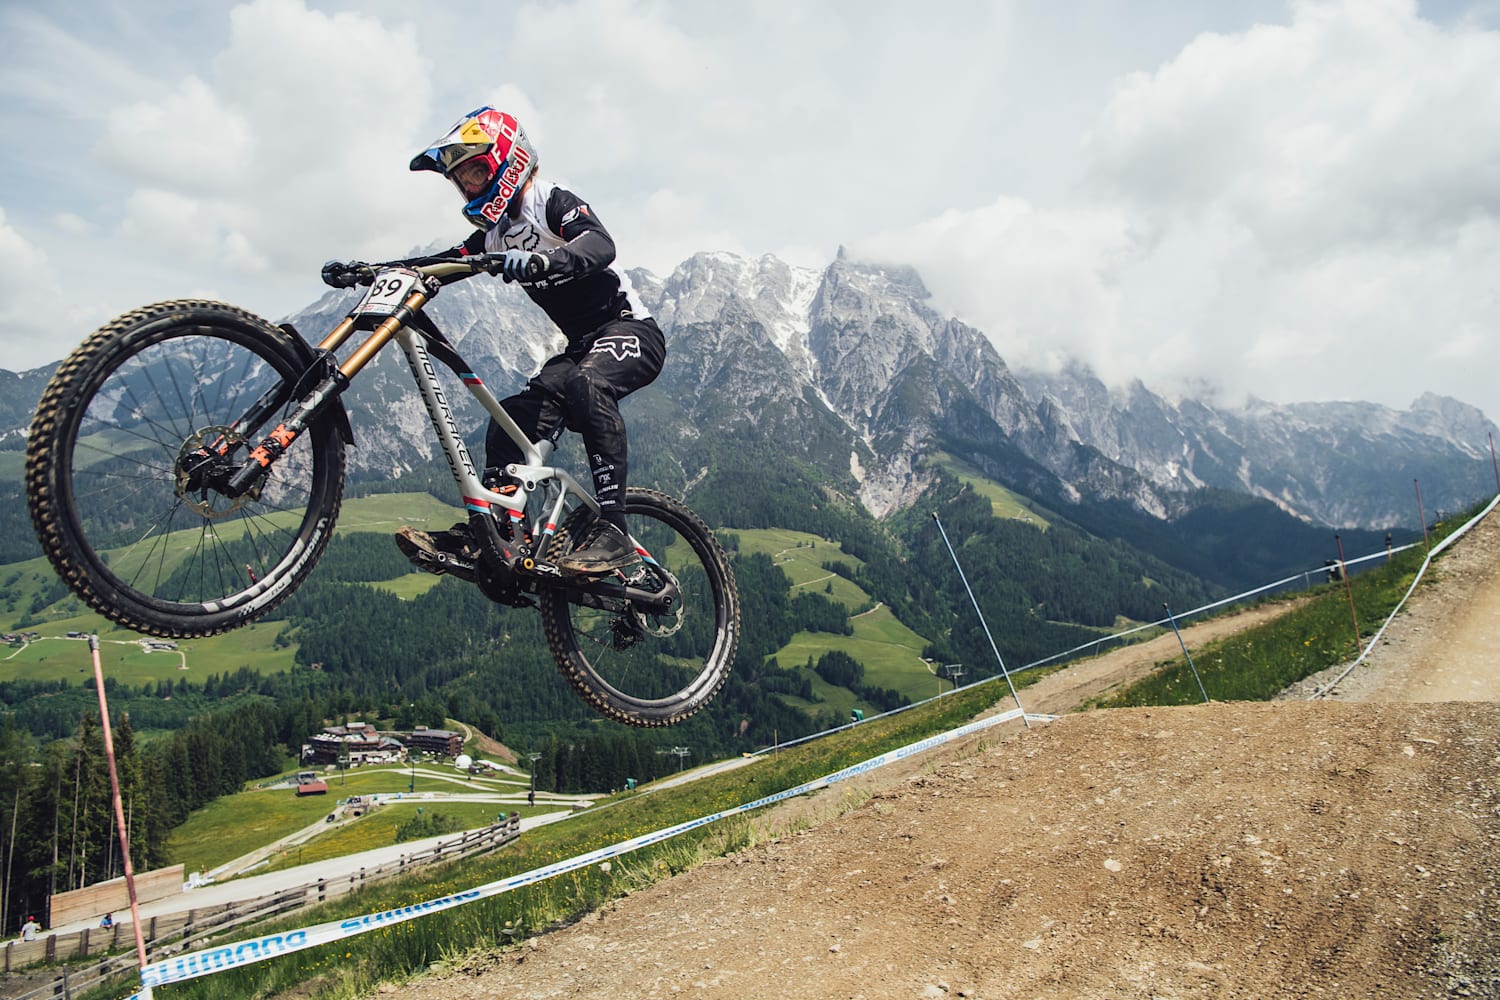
(1339, 847)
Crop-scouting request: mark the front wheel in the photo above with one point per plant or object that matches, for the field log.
(649, 668)
(128, 459)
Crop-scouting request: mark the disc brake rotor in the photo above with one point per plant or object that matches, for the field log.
(202, 467)
(655, 578)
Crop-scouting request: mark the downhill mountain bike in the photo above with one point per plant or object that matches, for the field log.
(186, 465)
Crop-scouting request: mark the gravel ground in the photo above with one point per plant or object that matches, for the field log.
(1341, 846)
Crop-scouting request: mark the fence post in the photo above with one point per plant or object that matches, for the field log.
(83, 943)
(322, 890)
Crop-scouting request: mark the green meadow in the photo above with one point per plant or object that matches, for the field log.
(33, 600)
(235, 825)
(124, 656)
(1003, 502)
(891, 652)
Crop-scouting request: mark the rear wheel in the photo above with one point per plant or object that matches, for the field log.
(640, 667)
(128, 454)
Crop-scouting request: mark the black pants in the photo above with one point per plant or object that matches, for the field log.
(581, 389)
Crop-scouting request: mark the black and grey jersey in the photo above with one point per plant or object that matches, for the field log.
(581, 291)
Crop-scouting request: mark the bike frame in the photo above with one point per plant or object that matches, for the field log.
(415, 287)
(532, 473)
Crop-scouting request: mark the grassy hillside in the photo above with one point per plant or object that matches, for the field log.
(125, 657)
(890, 651)
(236, 825)
(1003, 502)
(34, 600)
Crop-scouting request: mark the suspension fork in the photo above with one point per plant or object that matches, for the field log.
(328, 388)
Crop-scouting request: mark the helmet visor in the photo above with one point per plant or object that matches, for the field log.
(474, 175)
(444, 156)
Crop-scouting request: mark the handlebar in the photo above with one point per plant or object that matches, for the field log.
(341, 274)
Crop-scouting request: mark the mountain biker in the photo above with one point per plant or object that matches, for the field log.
(557, 249)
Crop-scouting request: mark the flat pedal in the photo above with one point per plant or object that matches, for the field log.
(430, 560)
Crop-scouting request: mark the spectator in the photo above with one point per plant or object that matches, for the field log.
(30, 929)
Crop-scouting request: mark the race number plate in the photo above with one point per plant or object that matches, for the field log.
(389, 290)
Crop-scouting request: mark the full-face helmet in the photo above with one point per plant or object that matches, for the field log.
(487, 157)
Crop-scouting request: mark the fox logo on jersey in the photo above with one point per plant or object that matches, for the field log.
(524, 238)
(620, 346)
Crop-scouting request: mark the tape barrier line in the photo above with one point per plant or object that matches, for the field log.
(1458, 533)
(1237, 598)
(1092, 643)
(213, 960)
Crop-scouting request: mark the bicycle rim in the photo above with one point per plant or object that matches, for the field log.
(651, 669)
(139, 541)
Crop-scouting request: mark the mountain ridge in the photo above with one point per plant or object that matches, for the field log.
(850, 369)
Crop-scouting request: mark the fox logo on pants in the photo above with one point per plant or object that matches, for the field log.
(620, 346)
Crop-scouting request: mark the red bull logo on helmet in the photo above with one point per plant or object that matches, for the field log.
(512, 173)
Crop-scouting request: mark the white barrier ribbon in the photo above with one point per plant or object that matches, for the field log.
(232, 956)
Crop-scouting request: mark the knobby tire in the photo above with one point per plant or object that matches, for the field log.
(640, 669)
(113, 513)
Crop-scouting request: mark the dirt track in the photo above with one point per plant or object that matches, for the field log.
(1342, 847)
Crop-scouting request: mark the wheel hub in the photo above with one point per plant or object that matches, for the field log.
(657, 624)
(203, 469)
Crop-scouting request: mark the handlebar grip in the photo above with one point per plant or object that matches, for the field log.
(535, 267)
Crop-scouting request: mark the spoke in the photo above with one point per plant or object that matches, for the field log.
(184, 400)
(220, 556)
(242, 382)
(156, 549)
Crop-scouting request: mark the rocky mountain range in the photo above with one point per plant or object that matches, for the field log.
(849, 370)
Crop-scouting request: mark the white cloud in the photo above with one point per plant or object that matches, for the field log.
(1307, 210)
(193, 228)
(33, 301)
(670, 231)
(73, 225)
(1035, 280)
(1261, 193)
(191, 141)
(1358, 121)
(291, 150)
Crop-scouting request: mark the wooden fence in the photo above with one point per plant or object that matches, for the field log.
(179, 932)
(112, 896)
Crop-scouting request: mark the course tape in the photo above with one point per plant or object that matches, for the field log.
(232, 956)
(1458, 533)
(1076, 651)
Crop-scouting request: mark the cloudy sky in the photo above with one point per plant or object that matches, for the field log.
(1295, 200)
